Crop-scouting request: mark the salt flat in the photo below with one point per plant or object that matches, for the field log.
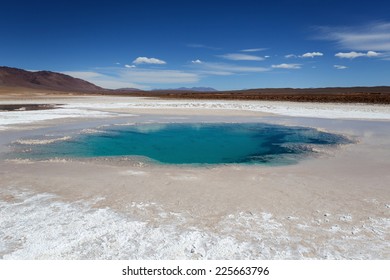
(335, 205)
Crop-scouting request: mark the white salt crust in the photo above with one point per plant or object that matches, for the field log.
(41, 226)
(96, 108)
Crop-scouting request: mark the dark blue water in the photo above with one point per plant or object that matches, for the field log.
(193, 143)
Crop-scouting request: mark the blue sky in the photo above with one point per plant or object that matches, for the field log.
(221, 44)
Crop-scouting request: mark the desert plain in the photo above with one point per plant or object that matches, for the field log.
(334, 204)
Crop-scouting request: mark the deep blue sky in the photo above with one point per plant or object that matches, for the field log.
(201, 43)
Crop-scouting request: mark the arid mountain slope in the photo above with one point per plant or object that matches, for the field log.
(14, 77)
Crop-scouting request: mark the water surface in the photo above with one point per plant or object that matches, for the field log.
(189, 143)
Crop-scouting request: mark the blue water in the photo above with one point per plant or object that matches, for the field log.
(252, 143)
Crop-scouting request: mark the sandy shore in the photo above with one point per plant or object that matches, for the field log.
(335, 205)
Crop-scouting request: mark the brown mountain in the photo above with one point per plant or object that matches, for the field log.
(45, 80)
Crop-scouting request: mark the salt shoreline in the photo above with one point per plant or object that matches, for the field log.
(336, 206)
(102, 107)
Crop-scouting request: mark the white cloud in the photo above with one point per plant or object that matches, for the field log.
(267, 56)
(254, 50)
(287, 66)
(374, 36)
(241, 56)
(305, 55)
(130, 66)
(373, 54)
(352, 55)
(340, 67)
(147, 60)
(290, 56)
(197, 61)
(311, 54)
(117, 63)
(349, 54)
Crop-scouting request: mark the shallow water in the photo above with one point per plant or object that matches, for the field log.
(189, 143)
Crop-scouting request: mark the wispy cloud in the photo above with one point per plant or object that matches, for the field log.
(197, 61)
(340, 67)
(290, 56)
(147, 60)
(223, 69)
(374, 36)
(104, 80)
(202, 46)
(305, 55)
(85, 75)
(241, 56)
(116, 77)
(125, 76)
(254, 50)
(352, 55)
(287, 66)
(159, 76)
(311, 54)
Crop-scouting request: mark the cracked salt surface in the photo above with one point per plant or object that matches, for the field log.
(41, 226)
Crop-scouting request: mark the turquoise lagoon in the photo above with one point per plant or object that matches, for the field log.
(189, 143)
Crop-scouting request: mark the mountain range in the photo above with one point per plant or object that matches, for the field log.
(14, 79)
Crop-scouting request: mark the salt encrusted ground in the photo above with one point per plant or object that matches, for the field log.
(334, 206)
(103, 107)
(41, 226)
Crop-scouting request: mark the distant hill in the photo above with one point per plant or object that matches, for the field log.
(14, 77)
(200, 89)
